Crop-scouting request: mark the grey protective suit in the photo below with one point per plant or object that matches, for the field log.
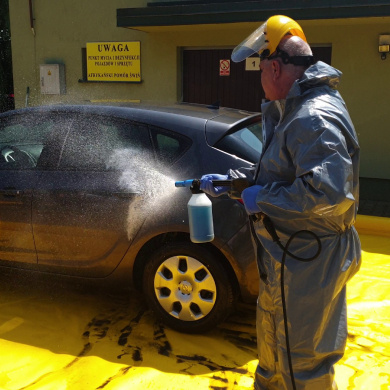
(309, 170)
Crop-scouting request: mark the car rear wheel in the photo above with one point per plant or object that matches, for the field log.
(187, 287)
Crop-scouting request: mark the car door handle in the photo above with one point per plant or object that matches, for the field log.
(11, 192)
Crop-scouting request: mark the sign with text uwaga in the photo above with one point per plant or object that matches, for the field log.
(114, 61)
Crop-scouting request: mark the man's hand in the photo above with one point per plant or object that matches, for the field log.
(249, 196)
(206, 184)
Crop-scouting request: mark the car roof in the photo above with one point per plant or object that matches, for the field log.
(216, 121)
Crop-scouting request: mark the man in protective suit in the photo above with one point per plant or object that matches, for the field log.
(306, 179)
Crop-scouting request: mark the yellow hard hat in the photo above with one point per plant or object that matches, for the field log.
(266, 38)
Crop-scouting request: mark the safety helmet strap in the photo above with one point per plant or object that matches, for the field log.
(305, 60)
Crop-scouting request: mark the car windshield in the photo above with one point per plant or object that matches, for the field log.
(245, 143)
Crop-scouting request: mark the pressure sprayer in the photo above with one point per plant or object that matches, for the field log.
(202, 230)
(200, 214)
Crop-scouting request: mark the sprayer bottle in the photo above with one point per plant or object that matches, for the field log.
(200, 214)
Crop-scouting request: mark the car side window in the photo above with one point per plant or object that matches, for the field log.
(22, 138)
(246, 142)
(169, 147)
(103, 143)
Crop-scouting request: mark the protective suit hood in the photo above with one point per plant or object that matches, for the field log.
(316, 75)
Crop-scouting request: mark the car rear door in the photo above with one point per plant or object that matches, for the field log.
(21, 140)
(81, 206)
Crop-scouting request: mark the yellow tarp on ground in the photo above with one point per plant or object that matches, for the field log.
(58, 335)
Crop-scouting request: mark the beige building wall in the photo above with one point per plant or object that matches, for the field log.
(63, 27)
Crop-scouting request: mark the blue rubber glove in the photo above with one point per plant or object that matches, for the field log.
(206, 184)
(249, 196)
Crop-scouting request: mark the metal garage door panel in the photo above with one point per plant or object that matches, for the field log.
(203, 84)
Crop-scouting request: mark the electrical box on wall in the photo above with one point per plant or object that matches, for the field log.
(52, 78)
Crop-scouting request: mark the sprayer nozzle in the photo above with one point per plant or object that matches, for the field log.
(184, 183)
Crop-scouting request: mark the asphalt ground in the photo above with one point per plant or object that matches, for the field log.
(58, 334)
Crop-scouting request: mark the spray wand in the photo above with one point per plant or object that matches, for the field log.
(236, 185)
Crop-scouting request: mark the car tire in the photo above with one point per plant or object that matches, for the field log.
(187, 287)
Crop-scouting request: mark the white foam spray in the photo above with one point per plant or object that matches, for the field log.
(140, 174)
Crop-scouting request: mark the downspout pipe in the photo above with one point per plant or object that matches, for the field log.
(31, 17)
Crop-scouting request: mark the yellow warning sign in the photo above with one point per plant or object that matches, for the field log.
(114, 61)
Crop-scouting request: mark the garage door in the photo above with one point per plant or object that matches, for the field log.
(209, 77)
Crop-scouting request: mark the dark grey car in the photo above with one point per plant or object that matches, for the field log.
(88, 191)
